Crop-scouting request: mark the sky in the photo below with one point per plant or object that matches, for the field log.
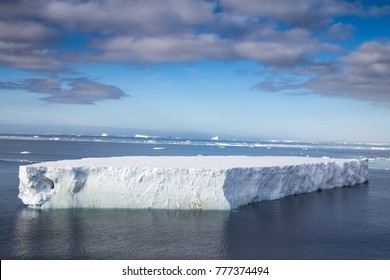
(316, 70)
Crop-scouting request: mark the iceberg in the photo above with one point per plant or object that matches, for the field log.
(179, 182)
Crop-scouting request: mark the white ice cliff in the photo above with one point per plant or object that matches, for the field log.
(203, 182)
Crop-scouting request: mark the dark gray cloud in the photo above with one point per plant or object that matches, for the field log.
(282, 34)
(112, 16)
(43, 60)
(269, 47)
(362, 75)
(303, 13)
(67, 91)
(21, 46)
(156, 49)
(26, 32)
(129, 17)
(177, 30)
(279, 49)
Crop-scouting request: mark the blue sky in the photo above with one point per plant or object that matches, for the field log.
(265, 69)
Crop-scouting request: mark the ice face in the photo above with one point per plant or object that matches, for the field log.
(215, 183)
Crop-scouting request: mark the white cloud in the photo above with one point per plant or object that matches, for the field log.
(164, 48)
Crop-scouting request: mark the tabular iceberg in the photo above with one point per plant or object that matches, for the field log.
(203, 182)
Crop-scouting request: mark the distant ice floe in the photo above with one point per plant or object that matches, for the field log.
(198, 182)
(142, 136)
(25, 152)
(380, 148)
(215, 141)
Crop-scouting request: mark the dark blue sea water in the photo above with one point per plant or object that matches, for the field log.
(346, 223)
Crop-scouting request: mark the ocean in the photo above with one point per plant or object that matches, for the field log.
(343, 223)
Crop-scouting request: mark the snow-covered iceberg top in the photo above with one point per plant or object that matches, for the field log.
(171, 182)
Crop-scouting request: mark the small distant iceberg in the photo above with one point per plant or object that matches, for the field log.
(104, 134)
(216, 138)
(143, 136)
(25, 152)
(159, 148)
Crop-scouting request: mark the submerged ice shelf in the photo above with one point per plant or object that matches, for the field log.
(172, 182)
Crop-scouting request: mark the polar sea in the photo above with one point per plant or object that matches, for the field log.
(344, 223)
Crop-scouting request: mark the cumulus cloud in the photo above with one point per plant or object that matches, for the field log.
(67, 91)
(128, 16)
(282, 34)
(365, 75)
(157, 49)
(362, 75)
(27, 32)
(177, 30)
(304, 13)
(32, 60)
(267, 46)
(280, 49)
(27, 27)
(21, 46)
(340, 31)
(273, 53)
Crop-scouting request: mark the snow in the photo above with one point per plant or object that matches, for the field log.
(207, 182)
